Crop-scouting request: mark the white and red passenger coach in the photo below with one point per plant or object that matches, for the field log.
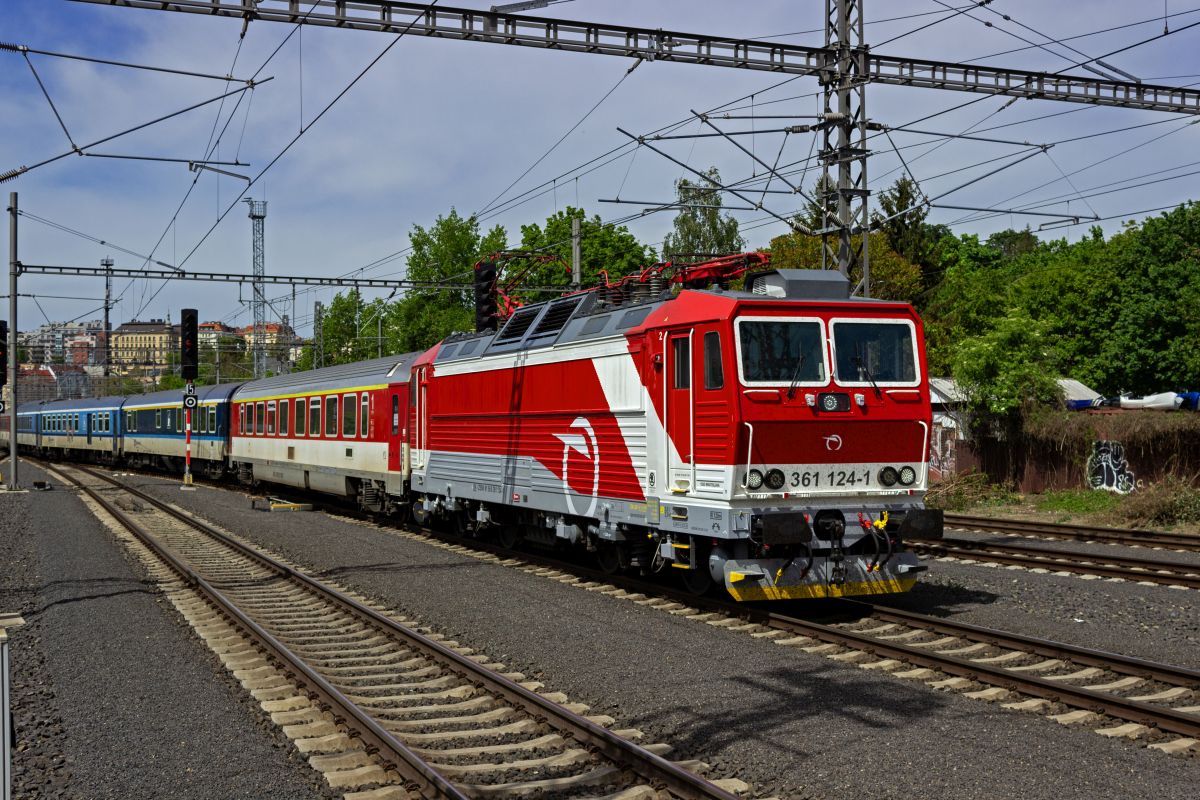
(774, 440)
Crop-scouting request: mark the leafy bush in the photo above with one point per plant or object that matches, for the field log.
(1170, 501)
(965, 490)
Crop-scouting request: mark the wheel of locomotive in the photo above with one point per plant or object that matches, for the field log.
(509, 536)
(697, 581)
(608, 558)
(419, 515)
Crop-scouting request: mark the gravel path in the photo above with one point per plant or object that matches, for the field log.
(113, 695)
(795, 724)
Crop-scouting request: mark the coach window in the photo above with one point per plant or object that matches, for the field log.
(178, 420)
(683, 362)
(260, 418)
(242, 419)
(158, 419)
(349, 415)
(364, 416)
(285, 408)
(271, 418)
(331, 416)
(212, 419)
(314, 416)
(300, 416)
(714, 374)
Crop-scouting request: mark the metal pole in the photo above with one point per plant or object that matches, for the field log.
(576, 260)
(379, 335)
(14, 358)
(187, 463)
(5, 724)
(107, 263)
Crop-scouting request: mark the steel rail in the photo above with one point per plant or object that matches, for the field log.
(679, 781)
(1115, 662)
(1084, 533)
(1163, 718)
(393, 752)
(1143, 569)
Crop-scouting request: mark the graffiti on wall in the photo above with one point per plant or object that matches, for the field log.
(943, 452)
(1108, 469)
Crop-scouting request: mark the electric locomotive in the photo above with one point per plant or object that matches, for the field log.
(773, 441)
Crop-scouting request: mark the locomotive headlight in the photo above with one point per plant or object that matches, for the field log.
(830, 402)
(754, 480)
(908, 476)
(888, 476)
(775, 479)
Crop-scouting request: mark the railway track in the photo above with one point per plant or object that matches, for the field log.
(423, 715)
(1118, 695)
(1083, 533)
(1104, 565)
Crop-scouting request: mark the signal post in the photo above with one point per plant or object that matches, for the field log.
(189, 362)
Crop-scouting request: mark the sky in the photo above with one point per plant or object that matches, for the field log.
(439, 124)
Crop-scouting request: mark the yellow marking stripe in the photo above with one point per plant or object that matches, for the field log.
(265, 398)
(820, 590)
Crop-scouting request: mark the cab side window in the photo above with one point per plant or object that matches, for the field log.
(714, 375)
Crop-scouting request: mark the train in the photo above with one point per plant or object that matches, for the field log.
(770, 441)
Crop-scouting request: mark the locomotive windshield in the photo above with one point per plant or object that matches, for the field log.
(781, 351)
(874, 352)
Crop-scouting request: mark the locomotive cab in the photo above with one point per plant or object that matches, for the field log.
(801, 422)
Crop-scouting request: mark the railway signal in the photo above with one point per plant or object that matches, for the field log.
(189, 347)
(485, 295)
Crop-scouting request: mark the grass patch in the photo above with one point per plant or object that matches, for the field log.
(1077, 501)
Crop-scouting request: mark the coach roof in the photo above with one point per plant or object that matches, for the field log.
(343, 377)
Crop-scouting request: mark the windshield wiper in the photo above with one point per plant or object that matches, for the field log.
(791, 392)
(861, 363)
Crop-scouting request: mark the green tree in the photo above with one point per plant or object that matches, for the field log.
(611, 249)
(1013, 243)
(1007, 373)
(902, 218)
(700, 228)
(446, 252)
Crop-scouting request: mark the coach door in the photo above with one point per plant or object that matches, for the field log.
(680, 406)
(87, 425)
(396, 440)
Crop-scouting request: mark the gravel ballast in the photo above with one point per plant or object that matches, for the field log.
(114, 697)
(790, 723)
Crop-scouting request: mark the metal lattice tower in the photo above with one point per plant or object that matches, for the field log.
(258, 215)
(844, 80)
(318, 344)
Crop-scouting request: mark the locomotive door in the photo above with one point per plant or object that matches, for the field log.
(680, 409)
(418, 433)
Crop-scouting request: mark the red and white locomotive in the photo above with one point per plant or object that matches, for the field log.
(773, 440)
